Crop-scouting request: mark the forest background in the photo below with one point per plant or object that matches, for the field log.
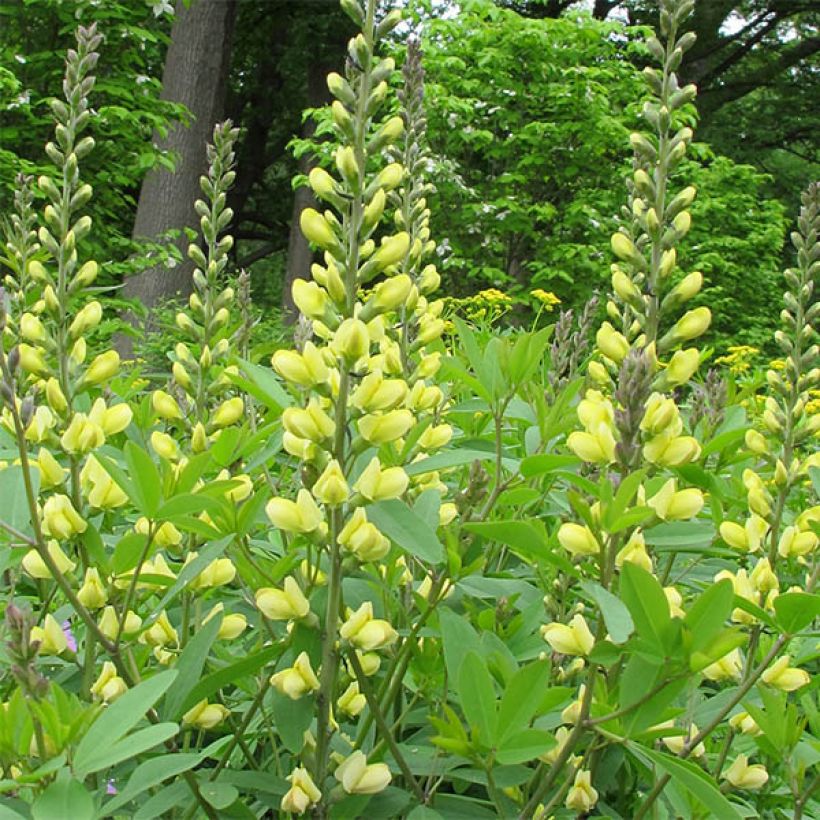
(533, 104)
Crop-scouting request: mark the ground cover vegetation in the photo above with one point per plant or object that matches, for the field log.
(433, 556)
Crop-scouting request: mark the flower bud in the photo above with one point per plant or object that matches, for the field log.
(228, 413)
(92, 594)
(165, 405)
(331, 488)
(385, 427)
(359, 777)
(104, 367)
(575, 639)
(317, 230)
(285, 604)
(578, 540)
(612, 343)
(205, 715)
(351, 340)
(301, 515)
(297, 681)
(365, 632)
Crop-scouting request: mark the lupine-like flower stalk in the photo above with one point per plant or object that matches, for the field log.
(365, 407)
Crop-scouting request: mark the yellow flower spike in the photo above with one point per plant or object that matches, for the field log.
(228, 413)
(365, 632)
(582, 797)
(51, 637)
(596, 446)
(311, 422)
(743, 776)
(165, 405)
(285, 604)
(34, 565)
(578, 540)
(32, 361)
(205, 715)
(375, 393)
(682, 366)
(32, 329)
(92, 594)
(103, 368)
(575, 639)
(86, 319)
(671, 504)
(52, 474)
(385, 427)
(109, 685)
(785, 677)
(161, 632)
(794, 543)
(301, 515)
(302, 793)
(377, 484)
(435, 437)
(298, 680)
(351, 701)
(55, 397)
(729, 667)
(164, 446)
(611, 343)
(634, 552)
(362, 538)
(359, 777)
(60, 519)
(317, 230)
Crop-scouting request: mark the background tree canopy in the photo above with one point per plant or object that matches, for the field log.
(533, 103)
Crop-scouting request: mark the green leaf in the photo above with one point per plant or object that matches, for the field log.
(14, 508)
(65, 798)
(616, 616)
(145, 477)
(546, 463)
(219, 795)
(645, 599)
(477, 696)
(127, 552)
(129, 747)
(292, 718)
(796, 610)
(524, 746)
(188, 504)
(708, 614)
(458, 638)
(119, 718)
(690, 777)
(522, 697)
(189, 668)
(263, 385)
(149, 774)
(409, 531)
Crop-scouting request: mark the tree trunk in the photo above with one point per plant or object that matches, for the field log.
(195, 74)
(300, 255)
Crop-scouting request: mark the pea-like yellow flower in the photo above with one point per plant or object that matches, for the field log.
(743, 776)
(102, 491)
(582, 797)
(165, 405)
(365, 632)
(578, 539)
(331, 487)
(104, 367)
(82, 435)
(756, 442)
(675, 743)
(794, 543)
(671, 450)
(32, 329)
(109, 685)
(219, 572)
(228, 413)
(596, 446)
(611, 343)
(34, 565)
(60, 519)
(377, 483)
(302, 793)
(375, 393)
(634, 552)
(681, 367)
(92, 594)
(166, 535)
(671, 504)
(385, 427)
(572, 639)
(311, 422)
(744, 723)
(41, 424)
(674, 599)
(351, 341)
(164, 446)
(297, 680)
(352, 701)
(363, 538)
(660, 414)
(302, 515)
(305, 369)
(317, 230)
(692, 324)
(204, 715)
(55, 397)
(232, 626)
(392, 250)
(112, 419)
(357, 776)
(161, 632)
(435, 437)
(32, 360)
(392, 293)
(51, 637)
(109, 623)
(785, 677)
(285, 604)
(763, 578)
(729, 667)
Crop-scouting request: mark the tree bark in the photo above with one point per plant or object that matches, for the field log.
(195, 74)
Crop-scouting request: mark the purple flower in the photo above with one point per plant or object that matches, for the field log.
(69, 636)
(110, 788)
